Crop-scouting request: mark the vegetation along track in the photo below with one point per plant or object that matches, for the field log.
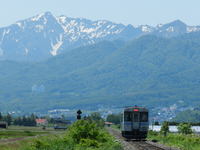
(137, 145)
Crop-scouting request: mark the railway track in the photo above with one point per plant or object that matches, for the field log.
(143, 145)
(137, 145)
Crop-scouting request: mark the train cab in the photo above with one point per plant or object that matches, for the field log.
(135, 123)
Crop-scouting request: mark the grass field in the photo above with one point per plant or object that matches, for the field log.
(181, 141)
(16, 134)
(20, 131)
(16, 137)
(28, 128)
(82, 135)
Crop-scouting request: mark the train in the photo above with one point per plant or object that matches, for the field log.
(135, 123)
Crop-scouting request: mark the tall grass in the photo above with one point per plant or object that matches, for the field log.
(182, 141)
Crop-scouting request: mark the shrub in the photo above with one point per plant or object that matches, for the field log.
(165, 128)
(86, 133)
(83, 129)
(185, 128)
(82, 135)
(114, 118)
(95, 117)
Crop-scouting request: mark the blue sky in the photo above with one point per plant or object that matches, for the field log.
(133, 12)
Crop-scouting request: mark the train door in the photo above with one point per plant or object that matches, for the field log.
(135, 123)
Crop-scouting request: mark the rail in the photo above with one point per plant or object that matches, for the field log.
(136, 144)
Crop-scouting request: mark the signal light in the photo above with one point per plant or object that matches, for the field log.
(79, 112)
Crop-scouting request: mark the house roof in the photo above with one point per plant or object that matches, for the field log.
(41, 120)
(108, 123)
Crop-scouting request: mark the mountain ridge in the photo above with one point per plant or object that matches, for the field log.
(45, 35)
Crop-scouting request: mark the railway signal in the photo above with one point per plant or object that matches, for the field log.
(79, 112)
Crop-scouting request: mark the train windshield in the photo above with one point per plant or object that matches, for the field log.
(127, 116)
(144, 116)
(136, 117)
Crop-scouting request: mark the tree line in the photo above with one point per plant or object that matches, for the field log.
(20, 121)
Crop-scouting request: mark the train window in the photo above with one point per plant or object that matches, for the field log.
(143, 116)
(136, 117)
(127, 116)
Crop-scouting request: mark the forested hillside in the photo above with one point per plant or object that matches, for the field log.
(149, 70)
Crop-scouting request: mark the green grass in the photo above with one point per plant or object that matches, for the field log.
(18, 145)
(16, 134)
(22, 136)
(115, 126)
(82, 135)
(28, 128)
(21, 131)
(184, 142)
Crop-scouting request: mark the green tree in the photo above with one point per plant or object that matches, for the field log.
(165, 128)
(156, 123)
(25, 121)
(95, 116)
(114, 118)
(33, 121)
(185, 128)
(17, 121)
(8, 119)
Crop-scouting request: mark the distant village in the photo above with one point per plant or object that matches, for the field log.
(67, 116)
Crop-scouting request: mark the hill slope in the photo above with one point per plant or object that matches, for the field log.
(149, 70)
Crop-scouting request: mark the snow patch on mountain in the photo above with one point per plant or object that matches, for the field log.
(46, 34)
(55, 47)
(26, 51)
(39, 28)
(79, 28)
(5, 32)
(159, 25)
(87, 30)
(146, 28)
(193, 29)
(62, 19)
(36, 18)
(19, 24)
(170, 29)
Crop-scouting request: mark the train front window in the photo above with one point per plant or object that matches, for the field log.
(136, 117)
(127, 116)
(144, 116)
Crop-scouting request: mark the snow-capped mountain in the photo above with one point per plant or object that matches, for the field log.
(45, 35)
